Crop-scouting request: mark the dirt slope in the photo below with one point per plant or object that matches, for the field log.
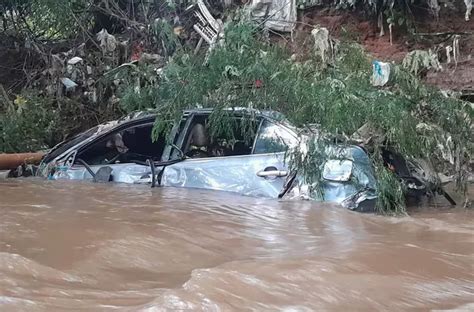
(430, 33)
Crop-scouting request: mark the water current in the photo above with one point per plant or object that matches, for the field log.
(109, 247)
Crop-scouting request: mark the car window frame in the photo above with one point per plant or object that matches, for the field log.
(179, 136)
(145, 121)
(183, 135)
(278, 124)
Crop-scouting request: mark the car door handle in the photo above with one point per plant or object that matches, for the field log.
(272, 172)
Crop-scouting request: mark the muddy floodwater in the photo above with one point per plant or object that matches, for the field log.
(102, 247)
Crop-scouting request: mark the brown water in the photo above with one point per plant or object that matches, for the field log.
(97, 247)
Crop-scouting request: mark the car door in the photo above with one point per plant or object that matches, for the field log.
(261, 172)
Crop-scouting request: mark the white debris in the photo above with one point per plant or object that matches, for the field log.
(380, 73)
(68, 83)
(279, 15)
(107, 41)
(449, 49)
(434, 5)
(447, 149)
(75, 60)
(208, 27)
(456, 54)
(468, 4)
(321, 43)
(150, 57)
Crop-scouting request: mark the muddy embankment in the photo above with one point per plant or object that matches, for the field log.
(425, 32)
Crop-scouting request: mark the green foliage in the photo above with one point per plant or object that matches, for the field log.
(46, 19)
(26, 127)
(399, 16)
(136, 85)
(164, 36)
(390, 196)
(33, 122)
(54, 19)
(310, 163)
(418, 60)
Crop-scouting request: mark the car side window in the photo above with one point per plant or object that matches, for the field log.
(133, 144)
(273, 138)
(235, 138)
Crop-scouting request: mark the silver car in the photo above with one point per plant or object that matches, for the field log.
(249, 156)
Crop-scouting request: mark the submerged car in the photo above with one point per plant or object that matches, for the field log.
(248, 156)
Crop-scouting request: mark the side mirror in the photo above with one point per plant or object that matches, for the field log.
(338, 170)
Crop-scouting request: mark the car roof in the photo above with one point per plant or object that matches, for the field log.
(238, 110)
(277, 116)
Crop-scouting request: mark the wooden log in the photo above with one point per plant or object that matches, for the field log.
(12, 161)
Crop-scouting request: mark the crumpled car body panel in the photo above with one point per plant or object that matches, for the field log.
(233, 174)
(361, 186)
(238, 174)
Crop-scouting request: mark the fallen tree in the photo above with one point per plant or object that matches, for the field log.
(413, 119)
